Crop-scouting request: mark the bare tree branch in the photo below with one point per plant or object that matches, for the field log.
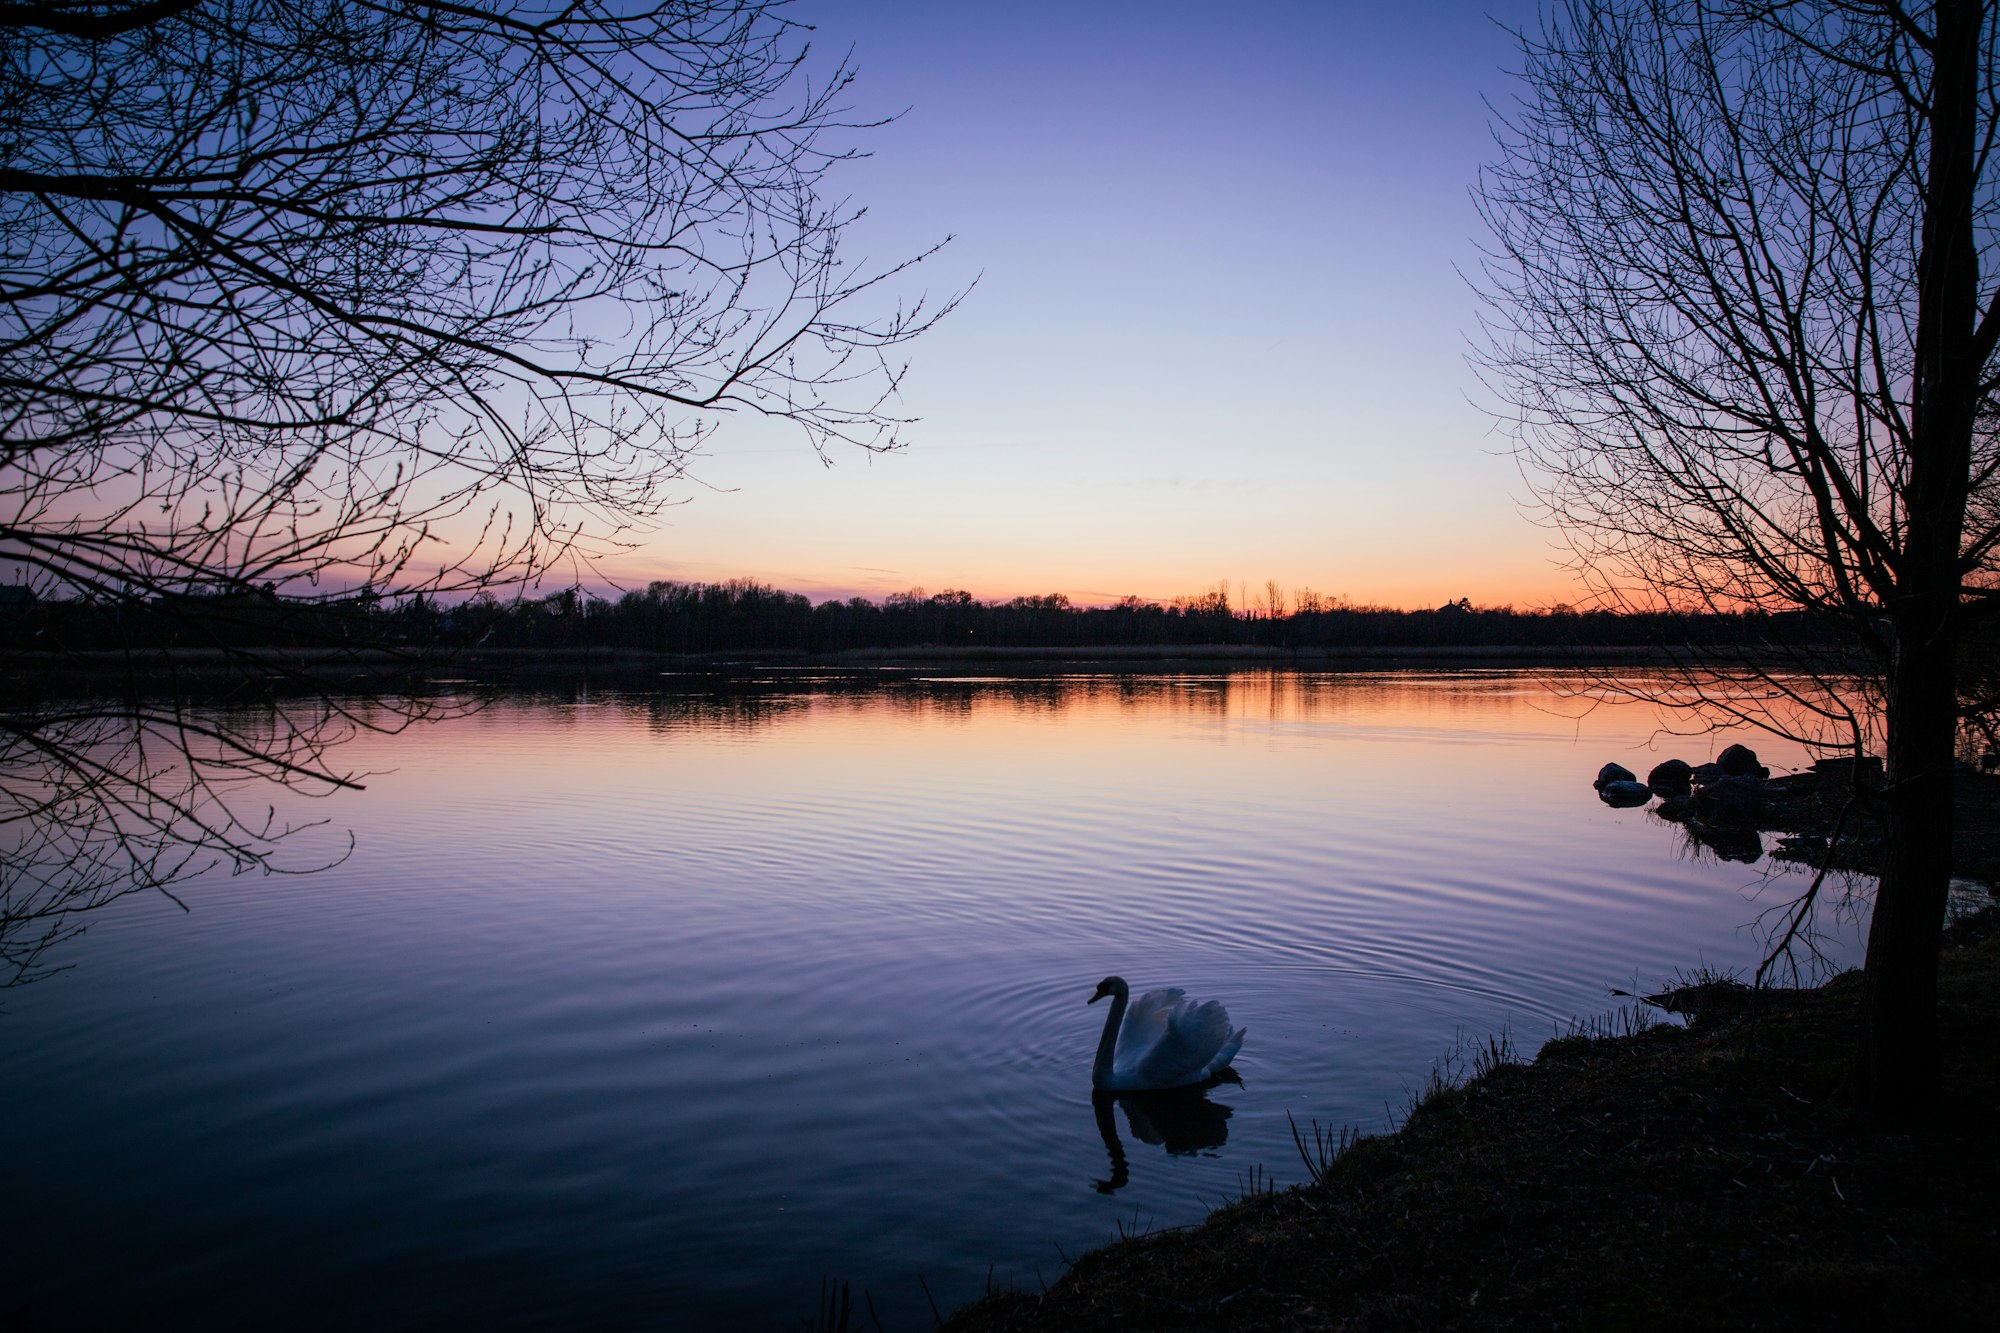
(310, 303)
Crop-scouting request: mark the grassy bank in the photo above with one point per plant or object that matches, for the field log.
(1709, 1176)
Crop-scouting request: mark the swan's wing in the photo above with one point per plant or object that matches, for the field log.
(1196, 1042)
(1145, 1026)
(1220, 1060)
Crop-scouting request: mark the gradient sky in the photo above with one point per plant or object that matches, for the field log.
(1219, 329)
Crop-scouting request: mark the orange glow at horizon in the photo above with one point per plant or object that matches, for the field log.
(1405, 592)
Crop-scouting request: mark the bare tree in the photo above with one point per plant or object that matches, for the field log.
(308, 299)
(1744, 313)
(285, 287)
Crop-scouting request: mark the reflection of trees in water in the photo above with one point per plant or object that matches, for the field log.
(751, 696)
(721, 710)
(750, 700)
(102, 799)
(747, 699)
(756, 699)
(1791, 926)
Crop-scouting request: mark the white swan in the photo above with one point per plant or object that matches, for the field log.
(1167, 1041)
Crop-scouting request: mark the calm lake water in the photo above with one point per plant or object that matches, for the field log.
(654, 1009)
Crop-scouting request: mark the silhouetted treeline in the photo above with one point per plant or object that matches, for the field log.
(226, 619)
(744, 616)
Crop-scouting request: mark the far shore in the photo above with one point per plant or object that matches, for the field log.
(364, 667)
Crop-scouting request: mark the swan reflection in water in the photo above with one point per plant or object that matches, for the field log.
(1181, 1120)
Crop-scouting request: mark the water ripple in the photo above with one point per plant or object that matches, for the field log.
(658, 994)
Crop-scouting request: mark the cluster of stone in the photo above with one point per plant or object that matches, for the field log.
(1729, 787)
(1726, 804)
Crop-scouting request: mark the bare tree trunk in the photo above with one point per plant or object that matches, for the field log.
(1899, 1043)
(1898, 1066)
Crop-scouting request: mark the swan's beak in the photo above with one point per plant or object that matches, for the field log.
(1101, 993)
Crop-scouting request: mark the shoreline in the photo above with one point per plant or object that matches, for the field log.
(1709, 1176)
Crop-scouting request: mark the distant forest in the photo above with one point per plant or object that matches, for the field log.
(743, 616)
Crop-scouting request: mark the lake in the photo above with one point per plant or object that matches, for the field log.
(657, 1008)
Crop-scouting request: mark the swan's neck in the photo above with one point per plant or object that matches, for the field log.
(1107, 1045)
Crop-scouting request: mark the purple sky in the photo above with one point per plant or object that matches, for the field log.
(1219, 330)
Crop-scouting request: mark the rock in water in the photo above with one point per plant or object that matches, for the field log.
(1741, 761)
(1672, 778)
(1866, 773)
(1614, 773)
(1732, 800)
(1624, 792)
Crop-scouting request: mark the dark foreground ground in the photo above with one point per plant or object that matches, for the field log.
(1715, 1176)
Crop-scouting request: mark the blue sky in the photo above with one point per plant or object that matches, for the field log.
(1219, 329)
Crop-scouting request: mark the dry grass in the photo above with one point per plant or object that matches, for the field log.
(1714, 1176)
